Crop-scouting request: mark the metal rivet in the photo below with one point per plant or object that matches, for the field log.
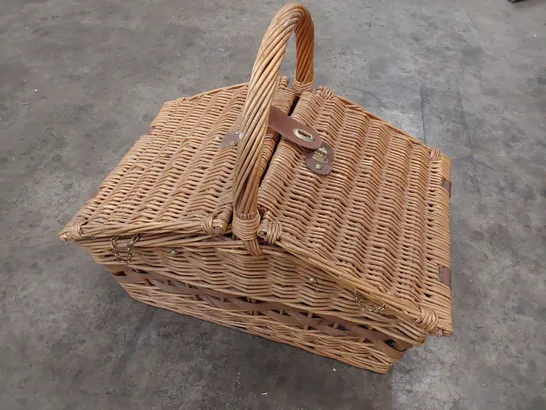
(231, 143)
(312, 280)
(318, 166)
(241, 135)
(174, 252)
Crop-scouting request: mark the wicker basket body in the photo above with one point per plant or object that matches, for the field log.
(352, 265)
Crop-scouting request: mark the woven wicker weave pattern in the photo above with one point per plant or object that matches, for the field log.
(176, 179)
(352, 265)
(382, 213)
(276, 277)
(343, 341)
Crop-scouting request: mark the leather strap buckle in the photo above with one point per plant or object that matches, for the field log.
(320, 156)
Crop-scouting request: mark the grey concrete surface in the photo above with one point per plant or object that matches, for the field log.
(79, 82)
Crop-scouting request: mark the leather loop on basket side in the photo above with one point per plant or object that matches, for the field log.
(446, 184)
(444, 275)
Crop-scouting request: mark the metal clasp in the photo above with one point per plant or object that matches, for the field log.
(320, 160)
(376, 309)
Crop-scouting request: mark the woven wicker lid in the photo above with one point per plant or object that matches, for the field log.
(378, 225)
(176, 180)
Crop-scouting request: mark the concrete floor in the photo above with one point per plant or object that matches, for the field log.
(80, 81)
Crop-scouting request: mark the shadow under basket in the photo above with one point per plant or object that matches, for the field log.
(286, 212)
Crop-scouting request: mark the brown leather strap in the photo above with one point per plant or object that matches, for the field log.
(293, 130)
(288, 127)
(446, 184)
(444, 274)
(282, 313)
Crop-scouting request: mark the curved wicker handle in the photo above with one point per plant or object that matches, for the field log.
(262, 86)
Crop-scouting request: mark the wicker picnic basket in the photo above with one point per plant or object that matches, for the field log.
(285, 212)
